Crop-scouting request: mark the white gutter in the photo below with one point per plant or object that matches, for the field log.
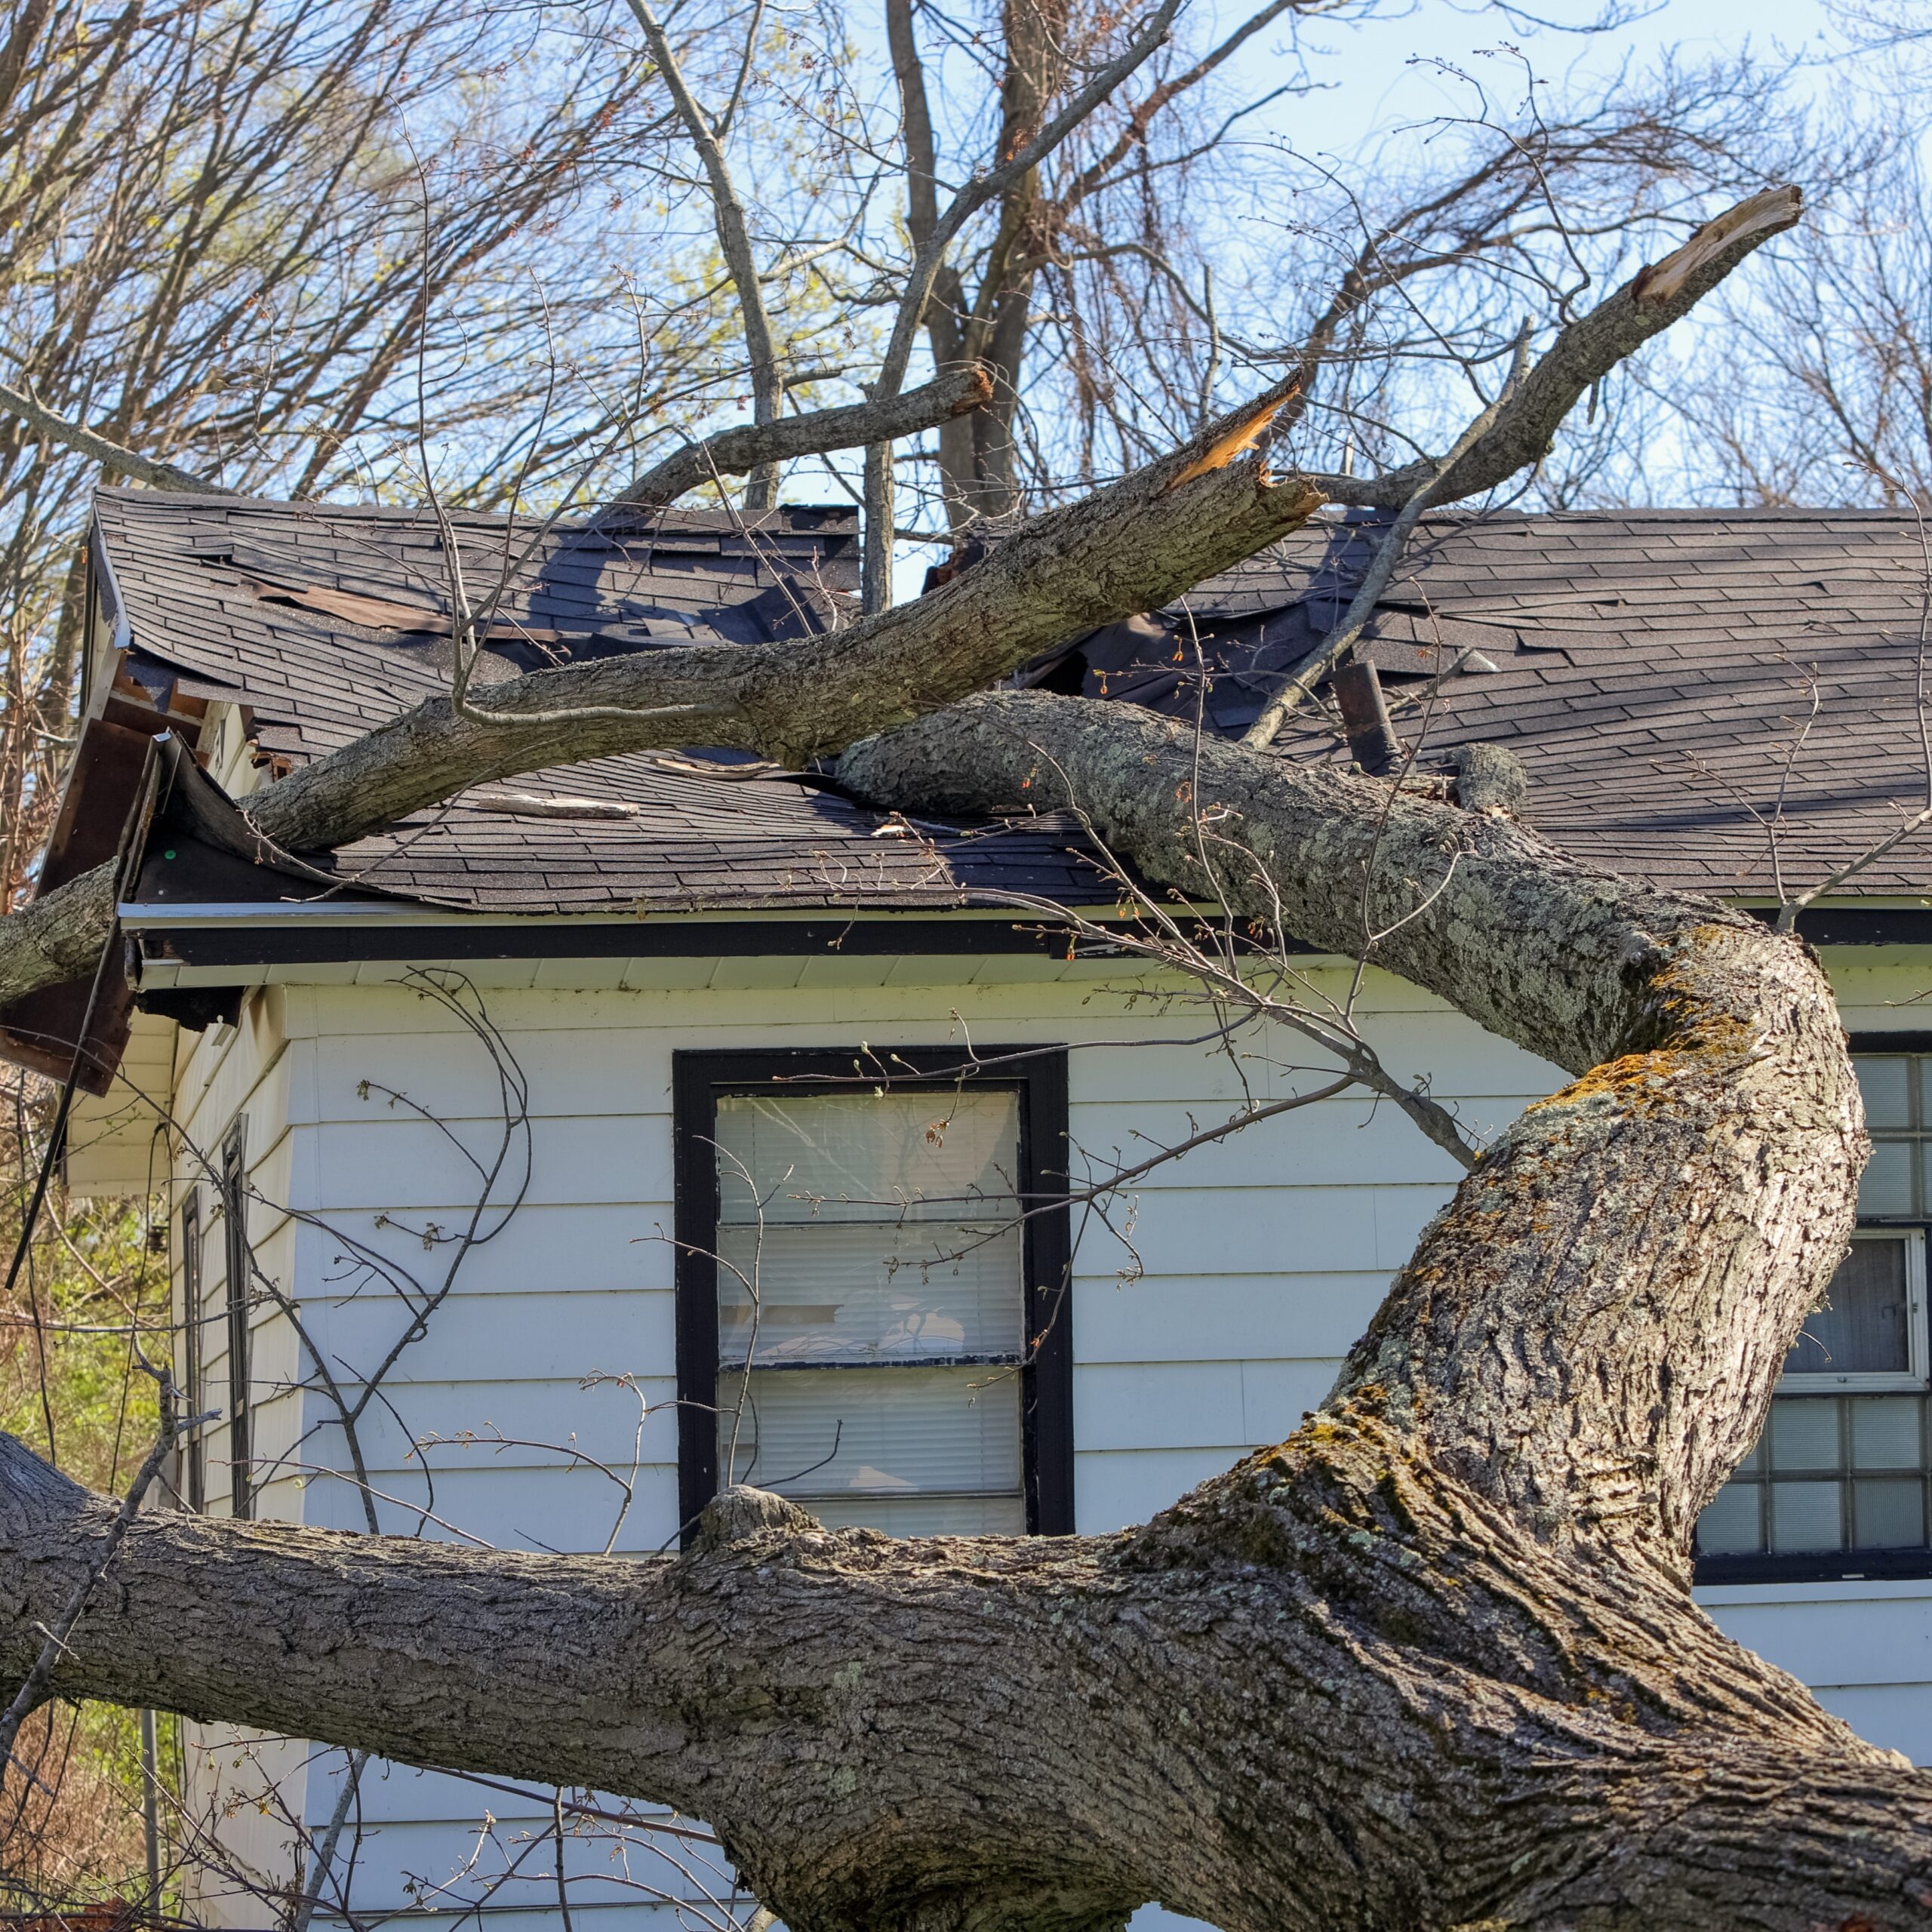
(147, 916)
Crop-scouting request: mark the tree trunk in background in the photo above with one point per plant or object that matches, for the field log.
(977, 470)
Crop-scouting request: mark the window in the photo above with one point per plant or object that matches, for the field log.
(1837, 1485)
(235, 1229)
(194, 1450)
(872, 1312)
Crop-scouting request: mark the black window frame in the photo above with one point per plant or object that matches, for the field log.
(699, 1076)
(1836, 1566)
(194, 1477)
(235, 1238)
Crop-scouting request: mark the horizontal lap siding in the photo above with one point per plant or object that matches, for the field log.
(219, 1073)
(1212, 1321)
(1207, 1317)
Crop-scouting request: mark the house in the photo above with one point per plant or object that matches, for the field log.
(477, 1135)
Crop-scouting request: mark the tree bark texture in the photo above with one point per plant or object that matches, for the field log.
(1432, 1662)
(58, 936)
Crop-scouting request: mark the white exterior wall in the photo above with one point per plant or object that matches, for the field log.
(218, 1073)
(1263, 1259)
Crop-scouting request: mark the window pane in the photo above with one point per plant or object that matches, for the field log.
(1863, 1329)
(875, 1432)
(918, 1153)
(1885, 1432)
(880, 1230)
(1891, 1513)
(1884, 1081)
(1804, 1516)
(1886, 1186)
(1804, 1435)
(855, 1291)
(1729, 1525)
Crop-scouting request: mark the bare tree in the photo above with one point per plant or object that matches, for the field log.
(1818, 389)
(272, 248)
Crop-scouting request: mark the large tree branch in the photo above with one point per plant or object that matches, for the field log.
(733, 452)
(1583, 353)
(1578, 967)
(1462, 1582)
(1132, 547)
(97, 448)
(1129, 548)
(58, 936)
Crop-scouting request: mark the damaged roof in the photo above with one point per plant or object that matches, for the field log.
(1665, 676)
(1660, 674)
(324, 621)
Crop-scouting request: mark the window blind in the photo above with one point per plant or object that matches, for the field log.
(870, 1305)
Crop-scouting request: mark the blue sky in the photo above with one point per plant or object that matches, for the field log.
(1379, 78)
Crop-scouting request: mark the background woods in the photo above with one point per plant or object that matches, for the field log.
(510, 258)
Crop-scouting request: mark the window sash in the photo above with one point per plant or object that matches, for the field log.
(1840, 1484)
(1914, 1376)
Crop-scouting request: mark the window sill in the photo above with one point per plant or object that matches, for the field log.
(1828, 1566)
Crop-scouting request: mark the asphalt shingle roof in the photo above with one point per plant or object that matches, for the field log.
(1654, 670)
(256, 603)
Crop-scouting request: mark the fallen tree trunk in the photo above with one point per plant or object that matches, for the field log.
(1432, 1662)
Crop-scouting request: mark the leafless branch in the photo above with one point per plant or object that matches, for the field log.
(816, 432)
(97, 448)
